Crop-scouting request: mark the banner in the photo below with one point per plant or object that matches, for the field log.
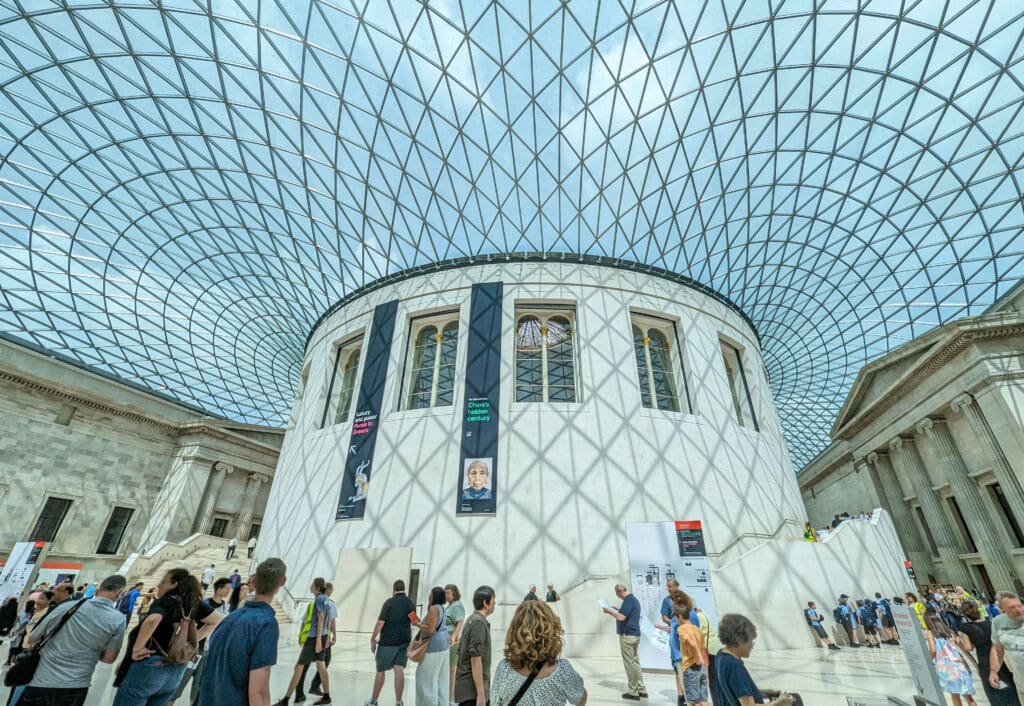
(659, 551)
(356, 483)
(915, 649)
(18, 568)
(478, 462)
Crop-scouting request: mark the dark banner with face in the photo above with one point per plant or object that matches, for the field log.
(478, 465)
(358, 464)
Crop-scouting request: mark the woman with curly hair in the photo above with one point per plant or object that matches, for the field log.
(531, 665)
(144, 678)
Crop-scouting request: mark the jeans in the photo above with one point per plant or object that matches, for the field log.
(432, 679)
(193, 676)
(230, 553)
(149, 682)
(629, 646)
(38, 696)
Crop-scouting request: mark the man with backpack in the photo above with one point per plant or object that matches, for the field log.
(868, 618)
(814, 620)
(888, 621)
(846, 616)
(126, 604)
(94, 632)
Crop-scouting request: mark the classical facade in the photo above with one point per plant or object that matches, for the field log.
(621, 396)
(934, 433)
(99, 469)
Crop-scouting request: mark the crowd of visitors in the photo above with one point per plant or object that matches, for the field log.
(219, 649)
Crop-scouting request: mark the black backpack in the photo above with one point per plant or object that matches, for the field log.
(837, 614)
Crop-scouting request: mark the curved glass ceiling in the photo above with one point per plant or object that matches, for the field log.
(186, 186)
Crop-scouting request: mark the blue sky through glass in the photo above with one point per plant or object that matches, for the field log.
(185, 187)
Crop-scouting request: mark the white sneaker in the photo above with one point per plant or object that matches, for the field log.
(369, 702)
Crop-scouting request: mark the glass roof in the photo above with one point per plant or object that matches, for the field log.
(186, 186)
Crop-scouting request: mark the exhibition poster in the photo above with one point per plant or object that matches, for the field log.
(915, 649)
(355, 485)
(477, 471)
(17, 570)
(659, 551)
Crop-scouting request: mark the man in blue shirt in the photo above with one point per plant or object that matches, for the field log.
(627, 628)
(244, 646)
(888, 621)
(847, 617)
(815, 620)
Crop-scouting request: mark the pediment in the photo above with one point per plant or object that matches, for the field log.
(879, 376)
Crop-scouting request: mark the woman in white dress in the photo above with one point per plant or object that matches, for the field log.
(532, 648)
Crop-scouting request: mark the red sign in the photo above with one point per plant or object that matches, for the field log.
(687, 525)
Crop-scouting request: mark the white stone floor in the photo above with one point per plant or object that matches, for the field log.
(822, 678)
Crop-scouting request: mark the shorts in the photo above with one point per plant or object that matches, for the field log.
(453, 655)
(309, 654)
(888, 622)
(389, 656)
(870, 630)
(820, 630)
(695, 683)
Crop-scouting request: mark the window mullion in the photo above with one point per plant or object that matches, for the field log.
(437, 366)
(544, 361)
(650, 373)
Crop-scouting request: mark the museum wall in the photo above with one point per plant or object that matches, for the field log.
(570, 475)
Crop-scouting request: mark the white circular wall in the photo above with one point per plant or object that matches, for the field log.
(570, 475)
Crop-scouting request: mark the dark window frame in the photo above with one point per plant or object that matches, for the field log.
(1013, 527)
(58, 510)
(107, 539)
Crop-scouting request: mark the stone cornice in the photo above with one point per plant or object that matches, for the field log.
(940, 356)
(208, 428)
(204, 427)
(86, 402)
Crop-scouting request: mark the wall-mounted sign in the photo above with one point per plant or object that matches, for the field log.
(18, 569)
(478, 462)
(355, 485)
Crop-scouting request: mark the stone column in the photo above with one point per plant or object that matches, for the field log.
(990, 445)
(906, 453)
(991, 545)
(861, 465)
(252, 489)
(910, 536)
(218, 473)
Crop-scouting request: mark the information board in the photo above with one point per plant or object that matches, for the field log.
(659, 551)
(915, 649)
(19, 567)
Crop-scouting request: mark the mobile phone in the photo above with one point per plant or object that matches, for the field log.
(413, 618)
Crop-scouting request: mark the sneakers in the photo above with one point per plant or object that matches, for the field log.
(316, 691)
(325, 699)
(833, 647)
(369, 702)
(284, 701)
(630, 697)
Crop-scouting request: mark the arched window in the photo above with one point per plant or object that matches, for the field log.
(432, 376)
(343, 383)
(652, 344)
(348, 386)
(742, 404)
(545, 357)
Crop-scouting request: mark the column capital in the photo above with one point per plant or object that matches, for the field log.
(925, 426)
(872, 458)
(961, 402)
(257, 477)
(226, 467)
(896, 443)
(858, 463)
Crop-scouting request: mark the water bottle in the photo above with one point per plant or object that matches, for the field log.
(1003, 685)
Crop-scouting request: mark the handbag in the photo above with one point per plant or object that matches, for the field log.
(184, 642)
(526, 685)
(417, 649)
(27, 662)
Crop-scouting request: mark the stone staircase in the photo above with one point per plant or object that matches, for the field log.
(195, 562)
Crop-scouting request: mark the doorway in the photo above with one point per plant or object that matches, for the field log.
(986, 582)
(414, 588)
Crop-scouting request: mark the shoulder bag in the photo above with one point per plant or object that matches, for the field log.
(26, 663)
(417, 649)
(184, 642)
(526, 684)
